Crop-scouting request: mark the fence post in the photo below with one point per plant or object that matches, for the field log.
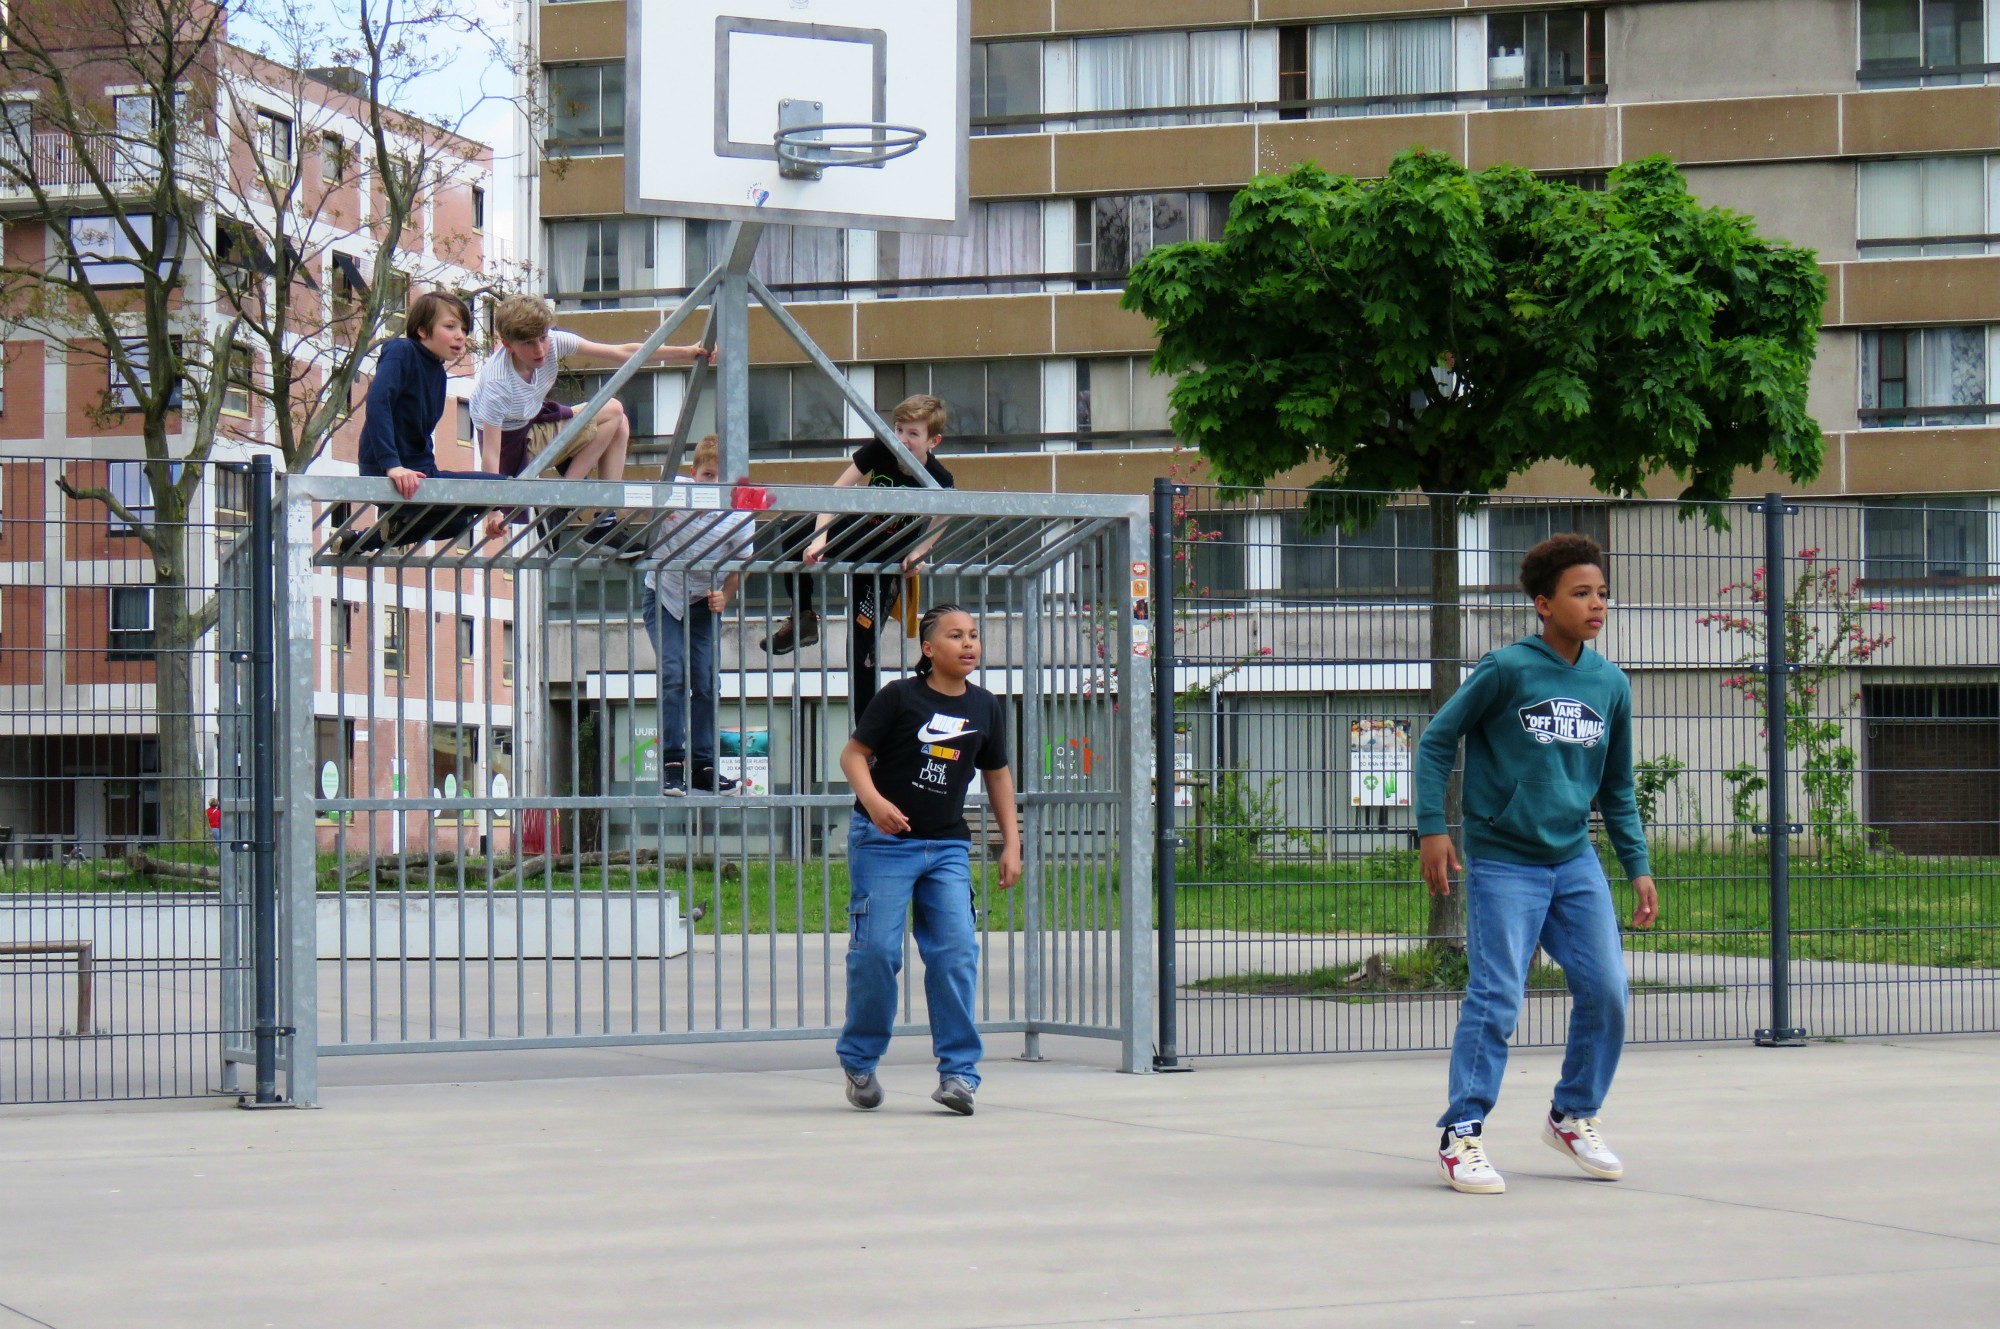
(1167, 845)
(1777, 670)
(263, 844)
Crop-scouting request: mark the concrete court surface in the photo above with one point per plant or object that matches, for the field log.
(1836, 1184)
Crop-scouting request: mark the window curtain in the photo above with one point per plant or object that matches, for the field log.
(1122, 73)
(1382, 59)
(1005, 238)
(635, 270)
(1216, 73)
(1953, 369)
(798, 256)
(569, 259)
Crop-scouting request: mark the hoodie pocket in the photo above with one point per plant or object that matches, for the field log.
(1540, 813)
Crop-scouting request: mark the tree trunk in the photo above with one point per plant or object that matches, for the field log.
(1447, 912)
(182, 788)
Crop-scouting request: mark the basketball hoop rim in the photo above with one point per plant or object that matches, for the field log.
(885, 142)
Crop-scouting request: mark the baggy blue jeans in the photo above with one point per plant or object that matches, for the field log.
(1510, 908)
(886, 876)
(686, 652)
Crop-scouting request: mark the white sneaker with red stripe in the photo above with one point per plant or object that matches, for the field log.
(1462, 1162)
(1578, 1138)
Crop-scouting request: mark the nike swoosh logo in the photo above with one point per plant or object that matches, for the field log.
(927, 733)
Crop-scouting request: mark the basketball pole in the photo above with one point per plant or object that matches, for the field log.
(733, 287)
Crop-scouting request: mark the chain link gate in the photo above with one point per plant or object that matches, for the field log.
(476, 848)
(1817, 666)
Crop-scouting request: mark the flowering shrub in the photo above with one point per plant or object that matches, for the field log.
(1826, 635)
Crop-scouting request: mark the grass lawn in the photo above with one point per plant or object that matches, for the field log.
(1898, 911)
(1419, 975)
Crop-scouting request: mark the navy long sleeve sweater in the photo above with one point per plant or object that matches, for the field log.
(405, 403)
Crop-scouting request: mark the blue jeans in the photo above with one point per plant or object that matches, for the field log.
(886, 876)
(687, 664)
(1510, 908)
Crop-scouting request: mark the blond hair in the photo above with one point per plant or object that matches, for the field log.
(706, 453)
(928, 411)
(522, 318)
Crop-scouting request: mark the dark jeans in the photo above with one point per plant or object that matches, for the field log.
(419, 524)
(686, 651)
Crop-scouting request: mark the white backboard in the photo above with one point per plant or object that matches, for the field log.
(704, 78)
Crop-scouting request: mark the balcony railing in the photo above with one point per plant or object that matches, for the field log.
(58, 164)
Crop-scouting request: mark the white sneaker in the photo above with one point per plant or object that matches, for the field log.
(1462, 1163)
(1578, 1138)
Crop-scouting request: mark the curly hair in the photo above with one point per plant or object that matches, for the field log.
(1544, 565)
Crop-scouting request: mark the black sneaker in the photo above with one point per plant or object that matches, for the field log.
(708, 782)
(673, 780)
(610, 532)
(956, 1094)
(793, 633)
(863, 1089)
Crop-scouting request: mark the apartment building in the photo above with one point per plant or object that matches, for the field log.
(80, 763)
(1866, 129)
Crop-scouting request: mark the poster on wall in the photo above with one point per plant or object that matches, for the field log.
(1379, 763)
(745, 756)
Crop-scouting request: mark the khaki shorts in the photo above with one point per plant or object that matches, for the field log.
(518, 447)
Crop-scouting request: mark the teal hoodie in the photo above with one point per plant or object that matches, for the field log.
(1543, 738)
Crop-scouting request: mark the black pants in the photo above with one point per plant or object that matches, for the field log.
(875, 595)
(874, 600)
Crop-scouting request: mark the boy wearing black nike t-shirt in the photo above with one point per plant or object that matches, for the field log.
(910, 762)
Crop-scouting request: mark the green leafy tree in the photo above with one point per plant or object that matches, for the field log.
(1442, 331)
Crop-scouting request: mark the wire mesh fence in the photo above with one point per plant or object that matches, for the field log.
(1306, 644)
(113, 902)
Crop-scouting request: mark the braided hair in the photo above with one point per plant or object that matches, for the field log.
(926, 626)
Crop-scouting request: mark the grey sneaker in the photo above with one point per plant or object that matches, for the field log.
(863, 1090)
(955, 1094)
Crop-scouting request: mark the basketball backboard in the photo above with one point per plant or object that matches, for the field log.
(709, 83)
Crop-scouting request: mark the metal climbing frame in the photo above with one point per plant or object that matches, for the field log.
(476, 850)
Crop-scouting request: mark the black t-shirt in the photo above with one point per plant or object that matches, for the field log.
(883, 470)
(926, 747)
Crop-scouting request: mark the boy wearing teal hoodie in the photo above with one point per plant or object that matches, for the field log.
(1547, 727)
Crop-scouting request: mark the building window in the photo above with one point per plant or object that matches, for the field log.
(336, 159)
(1382, 68)
(1218, 553)
(1175, 72)
(468, 634)
(133, 381)
(986, 401)
(333, 757)
(1519, 527)
(1925, 376)
(274, 144)
(464, 420)
(134, 492)
(110, 251)
(1927, 43)
(606, 258)
(455, 766)
(1120, 396)
(636, 397)
(395, 641)
(795, 406)
(131, 622)
(1907, 540)
(1006, 83)
(1925, 206)
(587, 109)
(1560, 53)
(350, 288)
(1005, 239)
(1114, 233)
(500, 770)
(507, 654)
(345, 613)
(478, 208)
(395, 302)
(232, 495)
(792, 260)
(1391, 556)
(237, 381)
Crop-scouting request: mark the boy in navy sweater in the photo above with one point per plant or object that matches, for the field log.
(405, 402)
(1547, 725)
